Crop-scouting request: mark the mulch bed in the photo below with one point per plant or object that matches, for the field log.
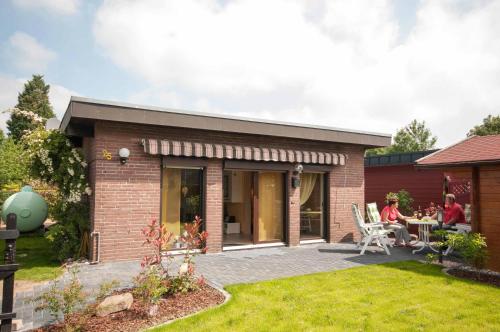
(135, 319)
(490, 278)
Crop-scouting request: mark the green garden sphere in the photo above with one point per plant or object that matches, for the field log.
(30, 208)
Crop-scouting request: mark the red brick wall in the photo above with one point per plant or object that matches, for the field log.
(293, 213)
(126, 197)
(213, 205)
(346, 187)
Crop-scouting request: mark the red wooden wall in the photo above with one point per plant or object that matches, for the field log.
(424, 186)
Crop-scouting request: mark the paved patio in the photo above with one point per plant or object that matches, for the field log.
(229, 267)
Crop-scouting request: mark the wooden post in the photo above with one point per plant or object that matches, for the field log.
(7, 272)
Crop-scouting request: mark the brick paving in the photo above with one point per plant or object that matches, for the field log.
(226, 268)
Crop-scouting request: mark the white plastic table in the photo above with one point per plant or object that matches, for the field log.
(424, 233)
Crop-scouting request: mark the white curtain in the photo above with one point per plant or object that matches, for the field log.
(307, 182)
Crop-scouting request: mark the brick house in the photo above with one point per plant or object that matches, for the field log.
(255, 183)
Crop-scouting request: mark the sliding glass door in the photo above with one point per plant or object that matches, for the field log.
(271, 206)
(254, 207)
(312, 225)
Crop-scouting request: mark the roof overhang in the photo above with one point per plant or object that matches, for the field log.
(82, 112)
(460, 164)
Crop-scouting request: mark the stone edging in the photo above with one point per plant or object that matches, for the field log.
(227, 297)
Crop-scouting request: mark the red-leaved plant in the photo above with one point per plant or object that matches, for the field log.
(154, 281)
(158, 237)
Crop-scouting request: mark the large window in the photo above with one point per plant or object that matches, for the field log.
(181, 197)
(311, 206)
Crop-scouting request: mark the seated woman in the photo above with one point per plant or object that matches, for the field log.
(390, 215)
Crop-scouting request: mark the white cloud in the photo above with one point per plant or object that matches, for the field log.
(59, 97)
(27, 54)
(338, 63)
(62, 7)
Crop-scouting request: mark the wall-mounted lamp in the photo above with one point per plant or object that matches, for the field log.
(297, 170)
(124, 153)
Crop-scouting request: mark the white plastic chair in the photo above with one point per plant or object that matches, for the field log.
(370, 232)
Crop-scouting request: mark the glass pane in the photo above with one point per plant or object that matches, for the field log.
(311, 206)
(238, 228)
(181, 197)
(271, 206)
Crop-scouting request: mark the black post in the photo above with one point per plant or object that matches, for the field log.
(441, 238)
(8, 282)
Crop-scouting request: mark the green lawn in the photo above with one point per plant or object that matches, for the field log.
(35, 259)
(404, 296)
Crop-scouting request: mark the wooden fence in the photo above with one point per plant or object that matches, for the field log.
(7, 271)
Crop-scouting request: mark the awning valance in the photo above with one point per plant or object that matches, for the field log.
(238, 152)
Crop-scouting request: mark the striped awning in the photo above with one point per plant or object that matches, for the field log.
(237, 152)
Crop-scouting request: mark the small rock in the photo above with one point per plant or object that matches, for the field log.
(153, 310)
(17, 324)
(114, 303)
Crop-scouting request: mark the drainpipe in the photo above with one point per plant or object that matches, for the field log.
(96, 235)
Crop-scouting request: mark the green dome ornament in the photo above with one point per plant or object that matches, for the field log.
(30, 208)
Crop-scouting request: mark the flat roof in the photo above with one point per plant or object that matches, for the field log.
(83, 111)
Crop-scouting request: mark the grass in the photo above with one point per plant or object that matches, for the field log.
(35, 259)
(403, 296)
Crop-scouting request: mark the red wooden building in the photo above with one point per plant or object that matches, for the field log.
(393, 172)
(475, 162)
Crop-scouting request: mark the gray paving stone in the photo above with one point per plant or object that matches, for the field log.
(226, 268)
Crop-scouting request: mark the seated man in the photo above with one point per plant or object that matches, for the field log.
(453, 213)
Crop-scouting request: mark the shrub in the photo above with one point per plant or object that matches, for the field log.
(151, 285)
(66, 300)
(154, 281)
(472, 248)
(405, 201)
(66, 236)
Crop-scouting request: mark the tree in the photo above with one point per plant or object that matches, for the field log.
(490, 126)
(13, 163)
(32, 104)
(414, 137)
(2, 137)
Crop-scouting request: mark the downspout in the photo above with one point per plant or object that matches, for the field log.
(96, 235)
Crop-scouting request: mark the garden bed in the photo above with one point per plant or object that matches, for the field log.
(484, 276)
(134, 319)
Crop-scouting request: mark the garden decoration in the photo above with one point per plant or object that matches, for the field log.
(30, 208)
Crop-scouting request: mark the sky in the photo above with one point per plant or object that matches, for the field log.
(371, 65)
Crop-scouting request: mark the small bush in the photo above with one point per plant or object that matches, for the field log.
(72, 225)
(151, 285)
(472, 248)
(66, 300)
(405, 201)
(430, 258)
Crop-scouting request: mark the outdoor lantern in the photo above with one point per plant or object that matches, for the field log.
(440, 218)
(296, 175)
(124, 153)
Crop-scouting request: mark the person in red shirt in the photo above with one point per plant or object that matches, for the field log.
(453, 213)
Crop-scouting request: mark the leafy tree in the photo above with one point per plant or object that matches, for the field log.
(414, 137)
(2, 137)
(490, 126)
(13, 163)
(33, 108)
